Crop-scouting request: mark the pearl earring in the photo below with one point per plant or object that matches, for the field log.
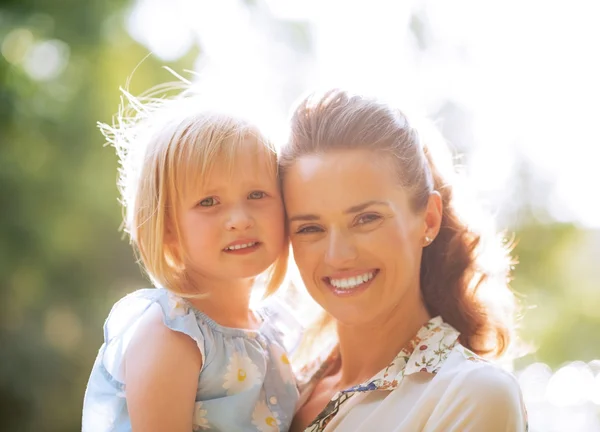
(428, 240)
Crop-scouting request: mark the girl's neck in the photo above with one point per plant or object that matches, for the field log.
(227, 302)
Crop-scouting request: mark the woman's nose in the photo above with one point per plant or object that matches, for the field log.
(341, 252)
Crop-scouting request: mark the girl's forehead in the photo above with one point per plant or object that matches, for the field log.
(244, 155)
(247, 166)
(253, 171)
(250, 160)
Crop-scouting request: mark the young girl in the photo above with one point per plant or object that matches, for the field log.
(204, 212)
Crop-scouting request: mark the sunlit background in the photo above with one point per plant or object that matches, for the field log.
(513, 85)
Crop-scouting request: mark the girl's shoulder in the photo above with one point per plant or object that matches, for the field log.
(162, 307)
(174, 311)
(141, 311)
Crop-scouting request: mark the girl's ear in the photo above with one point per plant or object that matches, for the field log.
(170, 236)
(171, 241)
(173, 251)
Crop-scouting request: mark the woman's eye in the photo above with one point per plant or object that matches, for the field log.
(308, 229)
(256, 195)
(366, 218)
(208, 202)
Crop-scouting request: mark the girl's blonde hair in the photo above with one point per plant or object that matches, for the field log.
(465, 272)
(165, 145)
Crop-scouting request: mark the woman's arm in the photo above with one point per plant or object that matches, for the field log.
(161, 368)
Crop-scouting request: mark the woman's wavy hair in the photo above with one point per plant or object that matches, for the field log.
(465, 271)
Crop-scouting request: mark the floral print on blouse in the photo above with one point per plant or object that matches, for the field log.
(426, 352)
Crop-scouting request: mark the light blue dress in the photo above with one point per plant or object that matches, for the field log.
(245, 384)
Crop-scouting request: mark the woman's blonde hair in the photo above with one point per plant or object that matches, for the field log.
(166, 144)
(465, 272)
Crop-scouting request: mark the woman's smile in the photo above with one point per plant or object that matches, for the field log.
(349, 283)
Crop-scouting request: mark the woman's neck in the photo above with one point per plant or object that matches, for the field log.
(367, 348)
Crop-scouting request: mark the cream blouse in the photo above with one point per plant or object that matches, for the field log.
(433, 384)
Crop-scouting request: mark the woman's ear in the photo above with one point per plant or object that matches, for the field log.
(433, 218)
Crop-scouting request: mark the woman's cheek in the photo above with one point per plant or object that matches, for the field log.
(303, 252)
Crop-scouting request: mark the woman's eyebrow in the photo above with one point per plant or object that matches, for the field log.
(304, 217)
(360, 207)
(354, 209)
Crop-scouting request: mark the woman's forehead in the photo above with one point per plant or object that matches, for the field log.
(339, 180)
(347, 166)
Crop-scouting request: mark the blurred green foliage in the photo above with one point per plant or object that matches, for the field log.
(557, 277)
(63, 261)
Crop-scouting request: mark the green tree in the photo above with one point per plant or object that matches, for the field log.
(62, 259)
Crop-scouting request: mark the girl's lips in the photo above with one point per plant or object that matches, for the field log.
(241, 242)
(244, 250)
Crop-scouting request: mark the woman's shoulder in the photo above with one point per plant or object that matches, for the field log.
(469, 391)
(480, 384)
(464, 365)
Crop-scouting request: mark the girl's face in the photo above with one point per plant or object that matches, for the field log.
(232, 225)
(356, 239)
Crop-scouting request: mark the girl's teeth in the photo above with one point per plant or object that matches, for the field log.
(240, 246)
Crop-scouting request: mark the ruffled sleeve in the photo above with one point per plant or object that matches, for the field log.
(126, 314)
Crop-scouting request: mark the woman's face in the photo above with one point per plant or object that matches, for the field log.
(356, 240)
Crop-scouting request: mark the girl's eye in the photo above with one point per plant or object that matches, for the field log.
(208, 202)
(366, 218)
(310, 229)
(256, 195)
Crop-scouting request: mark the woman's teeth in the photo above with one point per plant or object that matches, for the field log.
(352, 282)
(241, 246)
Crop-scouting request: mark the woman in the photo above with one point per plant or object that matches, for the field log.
(380, 245)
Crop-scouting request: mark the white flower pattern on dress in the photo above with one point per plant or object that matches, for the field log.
(239, 368)
(241, 374)
(200, 421)
(264, 419)
(283, 364)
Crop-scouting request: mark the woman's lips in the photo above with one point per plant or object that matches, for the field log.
(350, 283)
